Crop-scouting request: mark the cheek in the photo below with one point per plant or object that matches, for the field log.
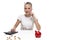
(30, 9)
(24, 9)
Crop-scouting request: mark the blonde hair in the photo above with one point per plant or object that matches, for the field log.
(28, 3)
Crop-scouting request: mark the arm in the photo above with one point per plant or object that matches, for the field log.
(36, 23)
(16, 24)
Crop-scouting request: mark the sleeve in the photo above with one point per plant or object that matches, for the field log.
(19, 18)
(32, 19)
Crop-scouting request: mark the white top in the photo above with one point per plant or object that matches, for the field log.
(26, 22)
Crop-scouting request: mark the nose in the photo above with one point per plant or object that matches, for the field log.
(27, 10)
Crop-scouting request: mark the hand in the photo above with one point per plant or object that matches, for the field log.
(12, 30)
(32, 14)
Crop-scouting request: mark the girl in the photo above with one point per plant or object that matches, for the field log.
(27, 20)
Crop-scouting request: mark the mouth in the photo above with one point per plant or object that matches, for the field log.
(27, 12)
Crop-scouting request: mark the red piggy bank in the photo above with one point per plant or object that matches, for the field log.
(37, 34)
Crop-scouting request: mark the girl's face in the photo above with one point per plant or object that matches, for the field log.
(27, 8)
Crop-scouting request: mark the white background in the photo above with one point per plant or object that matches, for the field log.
(46, 11)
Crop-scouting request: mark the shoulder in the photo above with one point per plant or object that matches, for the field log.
(21, 15)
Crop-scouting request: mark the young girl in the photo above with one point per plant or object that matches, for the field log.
(27, 20)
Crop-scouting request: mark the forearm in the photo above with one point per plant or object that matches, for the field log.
(16, 24)
(36, 22)
(37, 25)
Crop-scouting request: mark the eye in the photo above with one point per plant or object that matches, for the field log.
(25, 8)
(28, 8)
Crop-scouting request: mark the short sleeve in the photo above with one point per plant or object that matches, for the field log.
(19, 18)
(32, 19)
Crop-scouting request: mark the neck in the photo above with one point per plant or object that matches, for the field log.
(27, 15)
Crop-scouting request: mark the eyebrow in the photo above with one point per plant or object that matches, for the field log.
(27, 8)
